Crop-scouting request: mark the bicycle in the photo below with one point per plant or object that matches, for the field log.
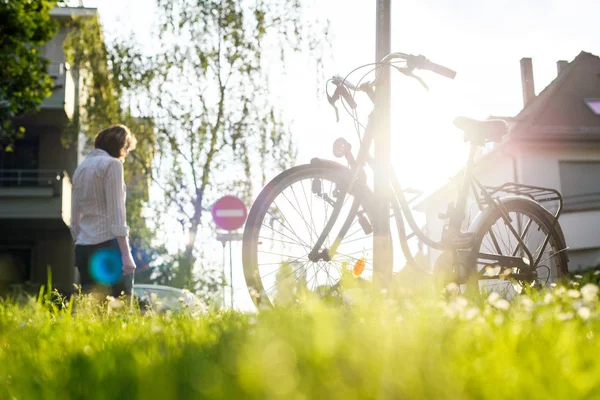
(496, 251)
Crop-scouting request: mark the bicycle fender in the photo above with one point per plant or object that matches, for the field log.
(483, 215)
(319, 162)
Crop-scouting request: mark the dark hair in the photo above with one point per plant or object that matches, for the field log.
(116, 140)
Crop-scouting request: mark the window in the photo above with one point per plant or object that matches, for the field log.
(582, 259)
(580, 185)
(22, 162)
(594, 105)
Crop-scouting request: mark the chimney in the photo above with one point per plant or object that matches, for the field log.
(561, 65)
(527, 80)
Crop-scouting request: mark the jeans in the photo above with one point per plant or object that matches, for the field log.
(83, 255)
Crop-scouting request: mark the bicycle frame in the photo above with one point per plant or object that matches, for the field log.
(452, 238)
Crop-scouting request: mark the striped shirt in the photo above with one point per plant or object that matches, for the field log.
(98, 200)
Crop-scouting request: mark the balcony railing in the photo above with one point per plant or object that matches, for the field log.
(33, 178)
(28, 195)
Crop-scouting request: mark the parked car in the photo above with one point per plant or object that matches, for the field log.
(162, 298)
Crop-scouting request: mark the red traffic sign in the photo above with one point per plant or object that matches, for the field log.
(229, 213)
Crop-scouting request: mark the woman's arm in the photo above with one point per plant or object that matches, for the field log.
(75, 214)
(115, 202)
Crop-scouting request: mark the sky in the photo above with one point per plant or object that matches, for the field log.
(483, 40)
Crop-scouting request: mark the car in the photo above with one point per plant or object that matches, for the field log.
(166, 298)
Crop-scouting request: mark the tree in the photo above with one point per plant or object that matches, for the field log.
(24, 81)
(209, 92)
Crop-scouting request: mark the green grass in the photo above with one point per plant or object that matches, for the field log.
(540, 346)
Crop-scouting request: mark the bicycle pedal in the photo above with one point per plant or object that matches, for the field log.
(364, 222)
(463, 238)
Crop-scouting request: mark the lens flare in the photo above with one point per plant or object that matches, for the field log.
(359, 267)
(106, 266)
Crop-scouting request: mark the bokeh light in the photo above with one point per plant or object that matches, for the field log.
(106, 266)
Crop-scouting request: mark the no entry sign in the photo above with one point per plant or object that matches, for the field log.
(229, 213)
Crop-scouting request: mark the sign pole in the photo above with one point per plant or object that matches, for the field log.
(382, 243)
(224, 272)
(231, 272)
(229, 214)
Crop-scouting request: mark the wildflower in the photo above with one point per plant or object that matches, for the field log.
(584, 313)
(181, 299)
(502, 304)
(573, 293)
(527, 304)
(590, 335)
(564, 316)
(597, 272)
(110, 298)
(471, 313)
(548, 298)
(452, 289)
(590, 292)
(115, 304)
(461, 302)
(185, 291)
(348, 299)
(578, 276)
(577, 304)
(493, 297)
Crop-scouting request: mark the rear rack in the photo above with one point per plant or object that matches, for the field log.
(539, 194)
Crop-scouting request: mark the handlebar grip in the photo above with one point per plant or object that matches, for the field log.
(438, 69)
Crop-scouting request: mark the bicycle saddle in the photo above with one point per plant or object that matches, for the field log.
(480, 132)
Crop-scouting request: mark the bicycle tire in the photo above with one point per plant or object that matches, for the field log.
(332, 172)
(521, 209)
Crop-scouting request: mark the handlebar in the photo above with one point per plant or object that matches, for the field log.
(412, 63)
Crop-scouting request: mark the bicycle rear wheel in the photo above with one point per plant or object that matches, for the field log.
(532, 223)
(284, 224)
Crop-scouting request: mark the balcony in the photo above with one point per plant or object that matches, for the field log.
(35, 199)
(60, 106)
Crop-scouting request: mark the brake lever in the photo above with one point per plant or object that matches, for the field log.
(409, 72)
(332, 100)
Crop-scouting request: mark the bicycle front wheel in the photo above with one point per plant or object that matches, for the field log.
(286, 221)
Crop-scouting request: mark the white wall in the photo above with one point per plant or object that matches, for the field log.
(581, 229)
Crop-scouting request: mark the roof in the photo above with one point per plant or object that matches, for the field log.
(560, 107)
(558, 113)
(68, 13)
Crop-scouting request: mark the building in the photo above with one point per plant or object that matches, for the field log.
(553, 142)
(35, 188)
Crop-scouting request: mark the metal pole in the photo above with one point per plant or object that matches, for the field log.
(224, 272)
(231, 272)
(382, 243)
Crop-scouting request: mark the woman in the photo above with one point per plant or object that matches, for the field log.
(98, 223)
